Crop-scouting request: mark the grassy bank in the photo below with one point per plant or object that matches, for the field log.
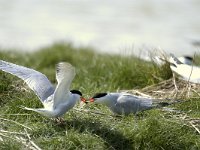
(153, 129)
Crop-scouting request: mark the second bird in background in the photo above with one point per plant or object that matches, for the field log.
(183, 59)
(187, 72)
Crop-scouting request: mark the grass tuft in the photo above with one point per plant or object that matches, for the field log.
(152, 129)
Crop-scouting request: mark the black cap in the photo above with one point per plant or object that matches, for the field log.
(76, 92)
(98, 95)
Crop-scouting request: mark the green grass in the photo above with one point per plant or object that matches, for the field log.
(153, 129)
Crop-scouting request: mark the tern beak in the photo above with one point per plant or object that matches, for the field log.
(84, 100)
(91, 99)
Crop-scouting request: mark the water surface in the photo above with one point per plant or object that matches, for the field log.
(107, 25)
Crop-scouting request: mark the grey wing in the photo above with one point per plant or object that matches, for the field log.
(133, 104)
(173, 58)
(37, 81)
(65, 73)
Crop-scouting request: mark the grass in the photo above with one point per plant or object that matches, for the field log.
(152, 129)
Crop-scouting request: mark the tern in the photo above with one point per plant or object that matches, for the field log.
(183, 59)
(125, 103)
(56, 101)
(186, 60)
(187, 72)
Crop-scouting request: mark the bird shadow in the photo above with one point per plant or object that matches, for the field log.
(112, 138)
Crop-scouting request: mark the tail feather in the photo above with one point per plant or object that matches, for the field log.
(160, 103)
(26, 108)
(41, 111)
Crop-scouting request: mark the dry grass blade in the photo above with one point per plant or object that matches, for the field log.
(19, 137)
(187, 120)
(165, 89)
(31, 142)
(6, 136)
(15, 123)
(4, 131)
(15, 114)
(24, 142)
(194, 127)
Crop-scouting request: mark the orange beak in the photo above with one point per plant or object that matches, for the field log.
(91, 99)
(83, 99)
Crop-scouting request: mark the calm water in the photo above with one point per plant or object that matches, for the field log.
(107, 25)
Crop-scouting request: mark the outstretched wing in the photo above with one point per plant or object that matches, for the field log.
(65, 73)
(37, 81)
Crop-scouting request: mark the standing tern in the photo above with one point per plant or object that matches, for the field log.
(187, 72)
(125, 103)
(56, 101)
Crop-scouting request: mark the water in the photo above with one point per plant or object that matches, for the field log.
(107, 25)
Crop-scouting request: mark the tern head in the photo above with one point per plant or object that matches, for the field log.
(186, 60)
(181, 60)
(98, 97)
(78, 93)
(189, 58)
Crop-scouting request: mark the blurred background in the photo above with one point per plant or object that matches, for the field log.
(107, 25)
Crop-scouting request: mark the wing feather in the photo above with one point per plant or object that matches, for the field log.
(65, 73)
(37, 81)
(132, 104)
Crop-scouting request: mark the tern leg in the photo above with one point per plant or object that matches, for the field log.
(59, 120)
